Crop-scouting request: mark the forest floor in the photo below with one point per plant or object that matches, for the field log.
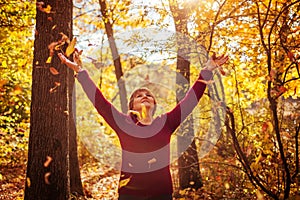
(99, 183)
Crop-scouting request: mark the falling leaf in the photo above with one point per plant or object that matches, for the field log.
(53, 71)
(153, 160)
(124, 182)
(48, 161)
(57, 84)
(150, 162)
(53, 27)
(66, 113)
(64, 38)
(59, 45)
(71, 47)
(48, 61)
(52, 90)
(48, 9)
(51, 47)
(28, 182)
(46, 178)
(133, 112)
(144, 111)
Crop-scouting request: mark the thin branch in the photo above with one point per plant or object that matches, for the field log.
(297, 151)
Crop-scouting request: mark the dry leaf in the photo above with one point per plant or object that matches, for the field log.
(144, 111)
(57, 84)
(46, 177)
(71, 47)
(53, 71)
(49, 60)
(64, 38)
(124, 182)
(48, 161)
(28, 182)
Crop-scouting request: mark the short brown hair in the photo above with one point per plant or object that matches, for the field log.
(130, 104)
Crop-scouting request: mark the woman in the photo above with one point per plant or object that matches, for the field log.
(145, 173)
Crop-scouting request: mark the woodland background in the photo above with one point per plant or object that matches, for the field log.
(257, 153)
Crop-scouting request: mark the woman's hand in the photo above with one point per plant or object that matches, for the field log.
(216, 62)
(76, 65)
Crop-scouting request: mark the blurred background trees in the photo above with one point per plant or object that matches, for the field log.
(257, 154)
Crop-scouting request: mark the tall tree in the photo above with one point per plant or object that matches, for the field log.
(115, 54)
(53, 169)
(188, 162)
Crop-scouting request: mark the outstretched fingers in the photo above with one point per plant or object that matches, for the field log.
(72, 65)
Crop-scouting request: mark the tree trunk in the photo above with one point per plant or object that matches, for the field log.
(188, 162)
(115, 55)
(52, 169)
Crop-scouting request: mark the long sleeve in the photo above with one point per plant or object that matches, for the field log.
(189, 102)
(102, 105)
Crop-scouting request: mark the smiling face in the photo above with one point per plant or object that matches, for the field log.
(141, 97)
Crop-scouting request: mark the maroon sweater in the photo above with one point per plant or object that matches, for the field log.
(145, 148)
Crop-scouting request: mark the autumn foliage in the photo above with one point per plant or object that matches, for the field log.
(257, 153)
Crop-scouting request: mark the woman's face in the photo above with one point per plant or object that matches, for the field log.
(143, 97)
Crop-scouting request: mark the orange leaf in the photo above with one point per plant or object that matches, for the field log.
(28, 182)
(48, 9)
(51, 47)
(57, 84)
(64, 38)
(47, 175)
(48, 161)
(53, 71)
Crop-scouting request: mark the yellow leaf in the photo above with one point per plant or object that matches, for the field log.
(71, 47)
(49, 60)
(124, 182)
(28, 182)
(144, 111)
(47, 9)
